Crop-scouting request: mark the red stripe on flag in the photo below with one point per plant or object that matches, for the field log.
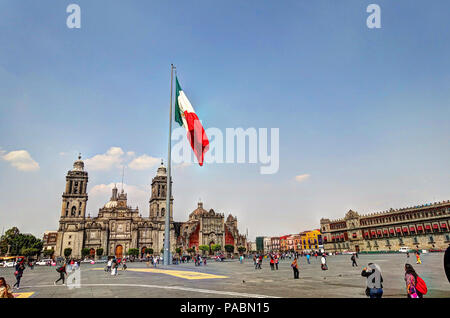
(196, 136)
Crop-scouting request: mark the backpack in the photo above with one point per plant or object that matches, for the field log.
(59, 269)
(421, 286)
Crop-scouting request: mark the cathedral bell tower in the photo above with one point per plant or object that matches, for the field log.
(74, 198)
(158, 196)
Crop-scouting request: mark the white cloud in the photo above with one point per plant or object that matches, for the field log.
(112, 158)
(144, 162)
(301, 177)
(20, 159)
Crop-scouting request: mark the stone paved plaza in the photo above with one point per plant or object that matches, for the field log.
(232, 279)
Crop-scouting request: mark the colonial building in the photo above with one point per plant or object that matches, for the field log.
(310, 240)
(119, 227)
(275, 244)
(419, 227)
(209, 228)
(49, 239)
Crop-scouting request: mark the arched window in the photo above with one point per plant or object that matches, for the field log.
(74, 209)
(163, 211)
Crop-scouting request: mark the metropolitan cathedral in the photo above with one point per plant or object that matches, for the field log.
(119, 227)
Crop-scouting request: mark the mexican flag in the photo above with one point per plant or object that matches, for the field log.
(186, 117)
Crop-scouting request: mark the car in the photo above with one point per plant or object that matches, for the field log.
(44, 262)
(87, 260)
(9, 264)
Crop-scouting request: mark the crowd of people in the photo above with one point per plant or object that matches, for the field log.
(415, 285)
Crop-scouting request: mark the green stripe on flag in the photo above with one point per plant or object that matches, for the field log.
(177, 107)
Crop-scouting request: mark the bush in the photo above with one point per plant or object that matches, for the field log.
(49, 253)
(149, 251)
(133, 251)
(84, 252)
(229, 248)
(99, 252)
(203, 248)
(67, 252)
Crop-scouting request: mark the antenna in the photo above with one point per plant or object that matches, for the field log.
(123, 171)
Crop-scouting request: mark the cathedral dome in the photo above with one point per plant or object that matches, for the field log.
(113, 201)
(79, 164)
(111, 204)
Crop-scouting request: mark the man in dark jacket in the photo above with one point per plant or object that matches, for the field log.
(374, 287)
(353, 258)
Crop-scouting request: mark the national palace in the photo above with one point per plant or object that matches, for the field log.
(419, 227)
(118, 227)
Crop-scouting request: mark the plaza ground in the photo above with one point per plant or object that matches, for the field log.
(232, 279)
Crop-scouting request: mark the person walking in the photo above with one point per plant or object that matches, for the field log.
(418, 260)
(276, 261)
(415, 286)
(108, 265)
(374, 287)
(5, 289)
(20, 267)
(294, 266)
(353, 258)
(272, 263)
(62, 271)
(124, 264)
(308, 257)
(323, 260)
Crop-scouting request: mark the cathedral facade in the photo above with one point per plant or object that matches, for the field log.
(119, 227)
(209, 228)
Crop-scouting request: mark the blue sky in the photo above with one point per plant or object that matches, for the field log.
(364, 112)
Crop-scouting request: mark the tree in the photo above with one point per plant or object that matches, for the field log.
(85, 252)
(17, 241)
(216, 247)
(241, 249)
(229, 248)
(99, 252)
(203, 248)
(149, 250)
(49, 253)
(67, 252)
(133, 252)
(191, 250)
(29, 251)
(178, 250)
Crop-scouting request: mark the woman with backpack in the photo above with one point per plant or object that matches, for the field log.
(415, 286)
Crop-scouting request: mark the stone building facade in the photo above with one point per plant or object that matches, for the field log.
(209, 228)
(119, 227)
(419, 227)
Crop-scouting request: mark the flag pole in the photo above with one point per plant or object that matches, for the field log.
(167, 256)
